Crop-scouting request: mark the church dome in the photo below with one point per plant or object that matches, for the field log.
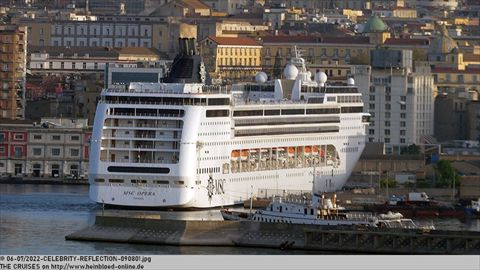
(443, 43)
(375, 25)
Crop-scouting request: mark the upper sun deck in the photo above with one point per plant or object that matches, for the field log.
(166, 89)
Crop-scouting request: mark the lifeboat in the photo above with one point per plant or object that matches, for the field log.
(315, 151)
(291, 151)
(322, 153)
(235, 154)
(307, 151)
(244, 154)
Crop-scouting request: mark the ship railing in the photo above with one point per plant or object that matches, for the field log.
(267, 102)
(205, 89)
(152, 103)
(147, 114)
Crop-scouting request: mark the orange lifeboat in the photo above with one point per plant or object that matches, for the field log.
(235, 154)
(291, 151)
(322, 153)
(244, 154)
(315, 150)
(307, 150)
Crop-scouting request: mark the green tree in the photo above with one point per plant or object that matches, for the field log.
(446, 174)
(277, 66)
(412, 149)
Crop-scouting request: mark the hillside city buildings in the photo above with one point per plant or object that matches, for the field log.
(417, 63)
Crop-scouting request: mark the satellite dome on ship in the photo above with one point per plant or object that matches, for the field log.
(290, 72)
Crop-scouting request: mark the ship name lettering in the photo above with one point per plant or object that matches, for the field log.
(219, 186)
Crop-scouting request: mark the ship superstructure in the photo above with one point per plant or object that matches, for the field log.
(186, 144)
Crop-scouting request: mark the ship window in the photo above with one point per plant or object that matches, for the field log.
(352, 109)
(293, 111)
(138, 181)
(99, 180)
(115, 180)
(161, 182)
(218, 101)
(248, 113)
(179, 183)
(272, 112)
(129, 169)
(311, 211)
(305, 211)
(323, 111)
(218, 113)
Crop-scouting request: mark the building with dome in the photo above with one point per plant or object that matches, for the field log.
(451, 72)
(444, 49)
(376, 30)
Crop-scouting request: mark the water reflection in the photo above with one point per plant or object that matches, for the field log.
(34, 219)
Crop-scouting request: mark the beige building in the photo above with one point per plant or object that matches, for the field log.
(315, 50)
(57, 152)
(231, 58)
(165, 35)
(13, 60)
(183, 8)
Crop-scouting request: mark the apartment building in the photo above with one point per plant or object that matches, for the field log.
(161, 33)
(231, 58)
(13, 146)
(399, 96)
(315, 50)
(52, 148)
(53, 59)
(13, 48)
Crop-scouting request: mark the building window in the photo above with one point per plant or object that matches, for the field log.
(387, 140)
(371, 106)
(372, 97)
(402, 140)
(372, 89)
(388, 98)
(371, 131)
(402, 132)
(402, 124)
(37, 151)
(55, 137)
(75, 138)
(387, 123)
(387, 106)
(74, 152)
(55, 151)
(18, 136)
(84, 65)
(403, 107)
(17, 151)
(403, 98)
(387, 114)
(2, 150)
(403, 115)
(387, 131)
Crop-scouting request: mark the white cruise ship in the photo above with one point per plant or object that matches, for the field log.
(186, 144)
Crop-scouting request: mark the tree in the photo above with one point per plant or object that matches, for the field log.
(446, 174)
(277, 66)
(412, 149)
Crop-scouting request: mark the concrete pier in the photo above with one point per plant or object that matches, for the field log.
(278, 235)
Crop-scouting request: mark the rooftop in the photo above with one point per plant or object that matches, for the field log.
(234, 41)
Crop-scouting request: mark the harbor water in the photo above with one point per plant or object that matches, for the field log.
(34, 219)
